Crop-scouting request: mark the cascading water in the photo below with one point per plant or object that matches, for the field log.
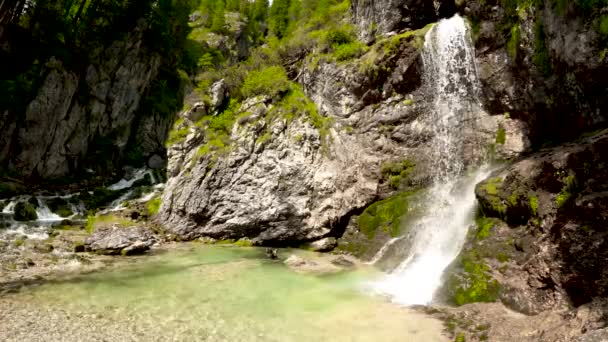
(450, 77)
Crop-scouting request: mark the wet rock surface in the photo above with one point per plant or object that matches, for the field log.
(540, 242)
(120, 240)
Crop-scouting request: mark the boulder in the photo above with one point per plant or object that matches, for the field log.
(323, 245)
(118, 240)
(25, 211)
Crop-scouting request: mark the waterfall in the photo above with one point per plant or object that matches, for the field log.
(450, 77)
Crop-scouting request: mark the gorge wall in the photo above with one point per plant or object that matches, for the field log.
(85, 89)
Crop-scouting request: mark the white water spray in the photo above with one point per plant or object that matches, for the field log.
(450, 77)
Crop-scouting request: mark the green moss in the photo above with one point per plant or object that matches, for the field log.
(25, 211)
(484, 225)
(534, 205)
(153, 206)
(492, 185)
(501, 136)
(20, 241)
(93, 221)
(348, 51)
(513, 42)
(243, 243)
(566, 193)
(396, 174)
(408, 102)
(541, 54)
(386, 215)
(475, 284)
(60, 207)
(460, 338)
(602, 26)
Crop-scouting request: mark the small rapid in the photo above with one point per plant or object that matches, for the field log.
(450, 77)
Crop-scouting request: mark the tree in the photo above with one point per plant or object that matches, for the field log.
(278, 20)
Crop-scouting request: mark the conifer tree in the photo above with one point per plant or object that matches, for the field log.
(278, 18)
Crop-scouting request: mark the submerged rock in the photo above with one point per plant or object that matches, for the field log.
(118, 240)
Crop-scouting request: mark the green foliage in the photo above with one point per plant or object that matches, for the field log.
(178, 134)
(270, 81)
(219, 18)
(348, 51)
(501, 136)
(278, 19)
(387, 215)
(153, 206)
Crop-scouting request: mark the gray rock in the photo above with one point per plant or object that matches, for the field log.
(380, 17)
(218, 94)
(323, 245)
(119, 240)
(600, 335)
(59, 131)
(156, 162)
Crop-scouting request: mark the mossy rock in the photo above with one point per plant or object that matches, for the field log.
(508, 201)
(25, 211)
(386, 215)
(101, 197)
(60, 207)
(473, 282)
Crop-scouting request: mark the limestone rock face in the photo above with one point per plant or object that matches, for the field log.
(541, 65)
(75, 117)
(379, 17)
(287, 181)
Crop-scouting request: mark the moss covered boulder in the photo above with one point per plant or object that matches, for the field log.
(25, 211)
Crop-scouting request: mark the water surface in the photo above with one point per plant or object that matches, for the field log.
(210, 293)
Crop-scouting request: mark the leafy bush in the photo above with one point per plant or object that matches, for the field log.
(268, 81)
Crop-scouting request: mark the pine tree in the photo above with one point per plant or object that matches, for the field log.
(279, 18)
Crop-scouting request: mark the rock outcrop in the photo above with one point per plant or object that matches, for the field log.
(541, 241)
(120, 240)
(284, 180)
(85, 120)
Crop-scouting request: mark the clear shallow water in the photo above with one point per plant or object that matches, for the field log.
(228, 294)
